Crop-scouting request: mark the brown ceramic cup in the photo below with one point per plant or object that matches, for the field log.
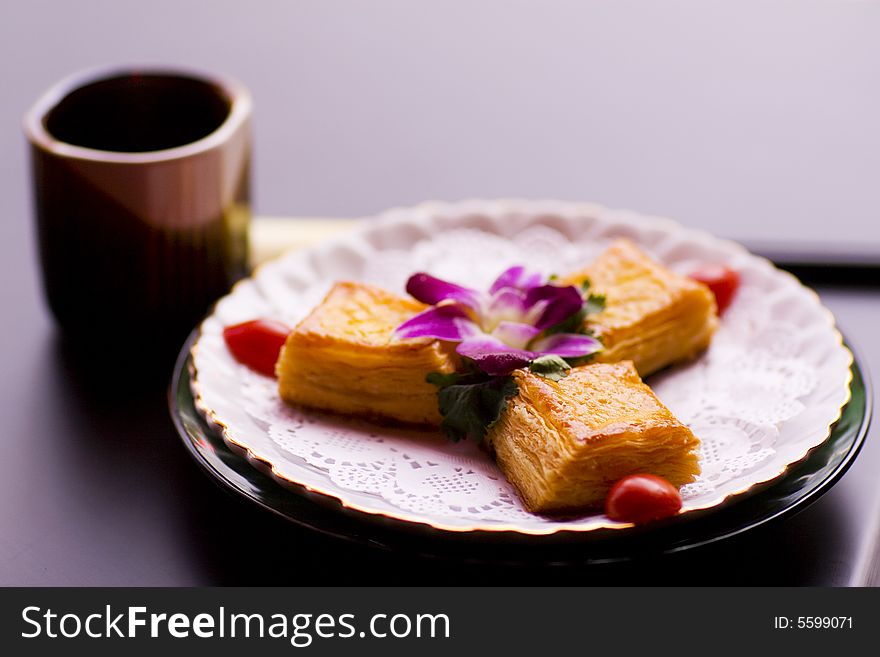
(141, 182)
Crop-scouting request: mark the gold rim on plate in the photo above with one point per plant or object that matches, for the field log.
(386, 219)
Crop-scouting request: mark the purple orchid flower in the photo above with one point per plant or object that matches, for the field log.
(502, 329)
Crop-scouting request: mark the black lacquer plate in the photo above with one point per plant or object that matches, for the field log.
(803, 484)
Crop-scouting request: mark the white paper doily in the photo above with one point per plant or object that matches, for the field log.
(764, 394)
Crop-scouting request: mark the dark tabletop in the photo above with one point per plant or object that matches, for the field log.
(757, 121)
(99, 490)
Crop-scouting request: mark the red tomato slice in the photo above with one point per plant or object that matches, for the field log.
(723, 281)
(641, 498)
(257, 343)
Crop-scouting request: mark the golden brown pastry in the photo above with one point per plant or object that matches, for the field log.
(653, 316)
(344, 358)
(564, 444)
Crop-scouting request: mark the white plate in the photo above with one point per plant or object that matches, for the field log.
(767, 391)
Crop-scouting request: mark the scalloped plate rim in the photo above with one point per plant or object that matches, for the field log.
(400, 214)
(839, 469)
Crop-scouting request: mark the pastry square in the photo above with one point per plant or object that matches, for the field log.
(653, 316)
(564, 444)
(344, 358)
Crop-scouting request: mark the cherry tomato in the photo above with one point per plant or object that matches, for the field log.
(723, 281)
(641, 498)
(257, 343)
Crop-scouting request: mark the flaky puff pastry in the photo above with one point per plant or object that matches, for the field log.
(344, 358)
(653, 316)
(564, 444)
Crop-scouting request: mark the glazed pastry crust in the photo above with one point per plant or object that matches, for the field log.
(564, 444)
(344, 358)
(653, 316)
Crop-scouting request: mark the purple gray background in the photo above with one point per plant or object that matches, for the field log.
(752, 119)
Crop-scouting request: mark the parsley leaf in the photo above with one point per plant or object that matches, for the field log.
(595, 304)
(444, 380)
(551, 367)
(470, 407)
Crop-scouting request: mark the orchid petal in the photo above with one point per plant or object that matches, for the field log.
(515, 334)
(468, 328)
(493, 329)
(493, 356)
(535, 312)
(567, 345)
(561, 303)
(506, 304)
(517, 277)
(446, 322)
(431, 290)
